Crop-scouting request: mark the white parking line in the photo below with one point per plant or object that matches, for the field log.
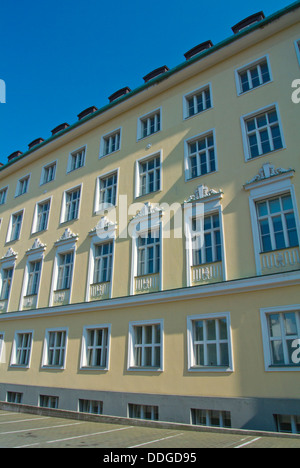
(23, 420)
(157, 440)
(248, 443)
(40, 428)
(75, 437)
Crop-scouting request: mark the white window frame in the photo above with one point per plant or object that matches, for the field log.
(140, 226)
(131, 345)
(107, 206)
(50, 399)
(208, 207)
(264, 312)
(190, 342)
(2, 334)
(297, 47)
(43, 173)
(35, 221)
(221, 415)
(73, 154)
(138, 173)
(191, 140)
(142, 118)
(98, 236)
(3, 195)
(63, 247)
(25, 179)
(254, 114)
(64, 209)
(33, 255)
(193, 94)
(16, 347)
(247, 67)
(5, 264)
(268, 188)
(10, 226)
(46, 348)
(84, 347)
(109, 136)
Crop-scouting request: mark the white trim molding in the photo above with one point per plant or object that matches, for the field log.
(131, 365)
(269, 182)
(277, 313)
(205, 341)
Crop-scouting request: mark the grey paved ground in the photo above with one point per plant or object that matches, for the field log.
(19, 430)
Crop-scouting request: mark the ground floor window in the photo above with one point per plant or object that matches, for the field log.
(211, 418)
(287, 423)
(143, 412)
(47, 401)
(90, 406)
(14, 397)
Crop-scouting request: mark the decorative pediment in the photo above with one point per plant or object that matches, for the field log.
(202, 192)
(146, 210)
(37, 245)
(67, 236)
(267, 172)
(104, 228)
(10, 253)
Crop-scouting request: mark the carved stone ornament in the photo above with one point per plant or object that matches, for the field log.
(37, 245)
(148, 209)
(267, 171)
(67, 235)
(201, 192)
(10, 253)
(103, 224)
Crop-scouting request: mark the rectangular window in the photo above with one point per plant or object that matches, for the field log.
(108, 190)
(22, 349)
(103, 262)
(146, 349)
(263, 133)
(253, 75)
(1, 345)
(283, 333)
(42, 216)
(148, 254)
(143, 412)
(76, 160)
(209, 343)
(197, 102)
(201, 157)
(288, 424)
(96, 342)
(56, 348)
(47, 401)
(34, 272)
(72, 200)
(149, 124)
(110, 143)
(15, 228)
(277, 225)
(65, 269)
(207, 246)
(3, 195)
(149, 172)
(22, 186)
(90, 406)
(14, 397)
(211, 418)
(7, 274)
(48, 173)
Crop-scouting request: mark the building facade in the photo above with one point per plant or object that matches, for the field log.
(149, 252)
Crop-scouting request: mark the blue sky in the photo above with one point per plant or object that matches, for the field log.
(60, 57)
